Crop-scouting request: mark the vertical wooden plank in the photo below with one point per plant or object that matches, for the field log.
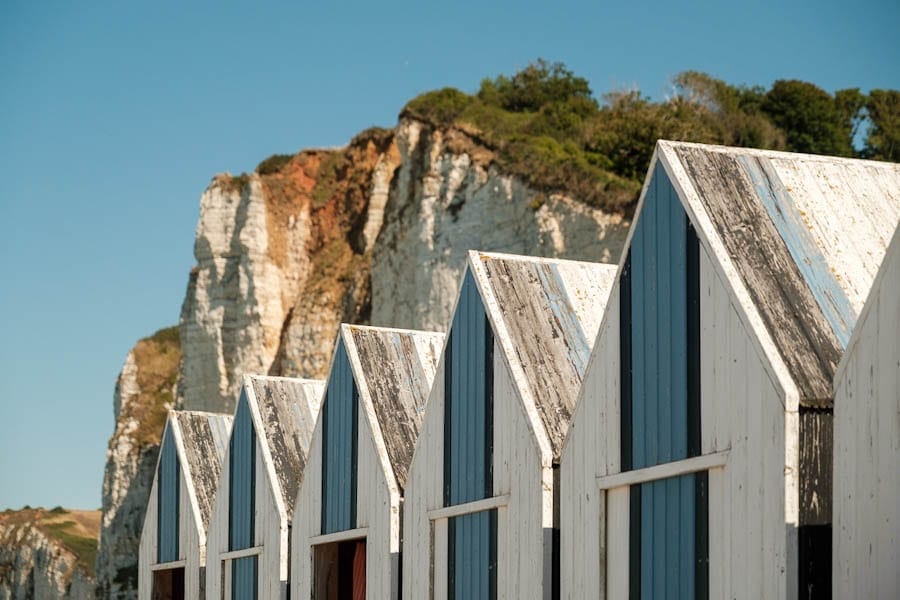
(242, 479)
(439, 566)
(617, 527)
(340, 416)
(168, 496)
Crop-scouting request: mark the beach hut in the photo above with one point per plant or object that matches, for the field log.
(698, 460)
(249, 535)
(172, 555)
(480, 512)
(346, 530)
(867, 445)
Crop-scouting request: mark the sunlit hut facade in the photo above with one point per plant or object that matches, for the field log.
(480, 507)
(249, 535)
(172, 558)
(698, 461)
(346, 529)
(867, 445)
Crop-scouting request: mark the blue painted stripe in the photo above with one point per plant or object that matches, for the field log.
(242, 479)
(339, 445)
(578, 347)
(667, 553)
(468, 427)
(473, 557)
(663, 561)
(659, 329)
(803, 249)
(245, 578)
(168, 490)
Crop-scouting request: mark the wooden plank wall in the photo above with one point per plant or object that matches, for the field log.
(307, 521)
(752, 554)
(592, 448)
(424, 492)
(190, 549)
(524, 552)
(524, 548)
(271, 531)
(339, 431)
(866, 530)
(377, 509)
(753, 500)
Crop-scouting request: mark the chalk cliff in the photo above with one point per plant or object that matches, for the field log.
(47, 554)
(375, 232)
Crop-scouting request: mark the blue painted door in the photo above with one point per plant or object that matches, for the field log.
(339, 446)
(468, 446)
(168, 492)
(660, 397)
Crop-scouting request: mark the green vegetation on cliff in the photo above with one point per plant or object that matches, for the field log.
(546, 126)
(76, 530)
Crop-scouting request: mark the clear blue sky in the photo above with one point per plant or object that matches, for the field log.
(114, 117)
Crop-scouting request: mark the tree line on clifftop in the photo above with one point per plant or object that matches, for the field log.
(547, 127)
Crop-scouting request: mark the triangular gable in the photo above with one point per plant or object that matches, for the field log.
(287, 409)
(205, 439)
(551, 311)
(805, 234)
(394, 370)
(888, 270)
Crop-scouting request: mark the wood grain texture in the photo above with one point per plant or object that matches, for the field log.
(793, 317)
(866, 528)
(393, 370)
(205, 437)
(192, 531)
(396, 372)
(551, 311)
(271, 521)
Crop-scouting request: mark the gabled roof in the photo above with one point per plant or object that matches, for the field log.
(394, 370)
(204, 439)
(546, 314)
(288, 409)
(887, 275)
(806, 235)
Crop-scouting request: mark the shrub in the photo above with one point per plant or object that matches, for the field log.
(273, 164)
(440, 107)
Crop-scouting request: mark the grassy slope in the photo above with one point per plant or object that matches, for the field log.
(75, 530)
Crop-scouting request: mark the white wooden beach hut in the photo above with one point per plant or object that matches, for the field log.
(346, 529)
(480, 512)
(249, 535)
(698, 461)
(172, 555)
(867, 445)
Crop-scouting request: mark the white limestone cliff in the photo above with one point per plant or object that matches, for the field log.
(35, 565)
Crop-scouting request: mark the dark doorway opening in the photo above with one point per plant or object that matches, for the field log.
(168, 584)
(340, 571)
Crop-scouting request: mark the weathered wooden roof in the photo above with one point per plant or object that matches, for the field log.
(806, 235)
(288, 409)
(204, 437)
(394, 370)
(551, 311)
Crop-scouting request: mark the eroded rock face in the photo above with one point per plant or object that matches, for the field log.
(35, 565)
(448, 199)
(376, 232)
(238, 294)
(144, 394)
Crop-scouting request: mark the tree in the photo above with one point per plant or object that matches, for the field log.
(851, 104)
(883, 139)
(538, 84)
(809, 117)
(737, 110)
